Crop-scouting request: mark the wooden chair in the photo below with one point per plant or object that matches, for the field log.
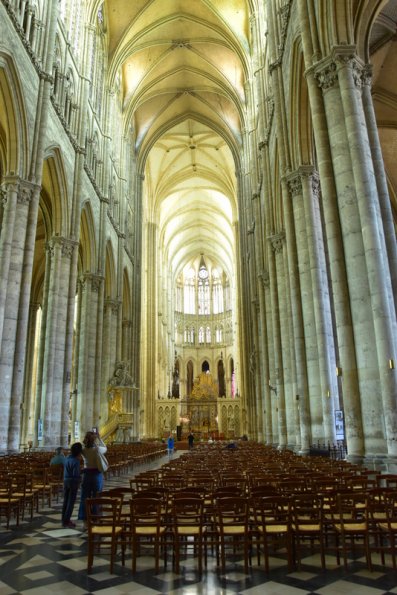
(388, 527)
(41, 484)
(124, 494)
(232, 527)
(307, 525)
(272, 526)
(55, 479)
(104, 528)
(9, 503)
(188, 527)
(351, 525)
(22, 489)
(146, 528)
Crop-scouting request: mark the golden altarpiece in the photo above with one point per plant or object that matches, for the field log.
(203, 412)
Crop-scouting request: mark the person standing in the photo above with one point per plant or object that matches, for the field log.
(71, 482)
(190, 440)
(170, 445)
(92, 476)
(58, 458)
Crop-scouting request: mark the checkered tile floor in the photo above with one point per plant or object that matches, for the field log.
(41, 558)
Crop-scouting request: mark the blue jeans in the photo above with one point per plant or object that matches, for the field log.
(70, 488)
(92, 484)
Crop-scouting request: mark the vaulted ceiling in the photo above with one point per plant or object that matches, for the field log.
(183, 68)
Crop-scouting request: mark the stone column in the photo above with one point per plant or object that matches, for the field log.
(28, 395)
(385, 215)
(55, 426)
(349, 390)
(311, 356)
(15, 194)
(277, 381)
(20, 195)
(302, 393)
(90, 285)
(266, 401)
(107, 371)
(151, 329)
(350, 73)
(369, 282)
(321, 301)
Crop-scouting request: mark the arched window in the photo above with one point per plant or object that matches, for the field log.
(208, 335)
(179, 295)
(189, 293)
(228, 301)
(203, 297)
(201, 335)
(217, 293)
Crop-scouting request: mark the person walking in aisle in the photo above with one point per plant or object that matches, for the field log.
(170, 445)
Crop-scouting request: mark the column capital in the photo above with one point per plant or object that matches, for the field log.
(25, 190)
(367, 73)
(294, 183)
(113, 304)
(346, 57)
(277, 241)
(265, 278)
(95, 281)
(325, 73)
(67, 245)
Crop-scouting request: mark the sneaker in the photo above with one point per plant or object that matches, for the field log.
(71, 524)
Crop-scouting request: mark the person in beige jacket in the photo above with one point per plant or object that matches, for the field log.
(92, 482)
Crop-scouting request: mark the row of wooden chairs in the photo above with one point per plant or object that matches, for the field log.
(26, 490)
(261, 524)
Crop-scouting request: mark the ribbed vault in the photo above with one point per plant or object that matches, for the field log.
(183, 73)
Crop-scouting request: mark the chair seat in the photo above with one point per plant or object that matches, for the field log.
(351, 527)
(238, 530)
(315, 527)
(385, 526)
(192, 530)
(273, 529)
(106, 530)
(149, 530)
(8, 500)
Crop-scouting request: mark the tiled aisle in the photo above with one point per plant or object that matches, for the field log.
(42, 558)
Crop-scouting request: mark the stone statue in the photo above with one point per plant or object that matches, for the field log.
(121, 377)
(175, 383)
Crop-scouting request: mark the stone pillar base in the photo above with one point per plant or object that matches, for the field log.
(355, 459)
(378, 463)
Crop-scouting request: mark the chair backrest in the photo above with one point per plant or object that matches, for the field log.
(352, 506)
(145, 512)
(263, 490)
(232, 511)
(158, 493)
(272, 510)
(306, 509)
(102, 511)
(188, 511)
(122, 492)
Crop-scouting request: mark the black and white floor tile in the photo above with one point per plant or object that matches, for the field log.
(42, 558)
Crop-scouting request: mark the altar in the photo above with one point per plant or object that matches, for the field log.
(199, 411)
